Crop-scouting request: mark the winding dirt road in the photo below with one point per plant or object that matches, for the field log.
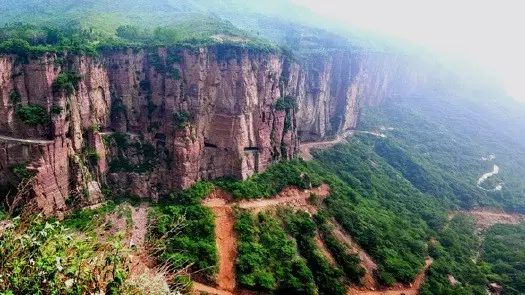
(413, 289)
(305, 148)
(220, 202)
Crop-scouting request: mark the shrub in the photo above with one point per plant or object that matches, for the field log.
(302, 228)
(91, 155)
(184, 236)
(21, 171)
(286, 103)
(174, 73)
(268, 259)
(15, 98)
(42, 257)
(349, 262)
(56, 110)
(181, 119)
(193, 195)
(66, 81)
(272, 181)
(32, 114)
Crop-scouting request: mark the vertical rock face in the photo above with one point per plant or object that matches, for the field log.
(145, 123)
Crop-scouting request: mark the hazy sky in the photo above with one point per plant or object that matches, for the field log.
(488, 32)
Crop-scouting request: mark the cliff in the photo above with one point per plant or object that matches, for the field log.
(146, 122)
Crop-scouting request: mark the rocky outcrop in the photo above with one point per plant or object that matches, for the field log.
(146, 122)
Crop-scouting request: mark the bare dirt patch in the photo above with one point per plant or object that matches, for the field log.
(368, 281)
(291, 197)
(226, 244)
(412, 289)
(485, 218)
(199, 288)
(322, 247)
(139, 216)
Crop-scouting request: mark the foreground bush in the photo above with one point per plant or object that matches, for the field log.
(42, 257)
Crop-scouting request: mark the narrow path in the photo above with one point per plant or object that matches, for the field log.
(221, 203)
(485, 176)
(199, 288)
(369, 281)
(322, 247)
(139, 216)
(305, 148)
(226, 242)
(413, 289)
(290, 196)
(24, 140)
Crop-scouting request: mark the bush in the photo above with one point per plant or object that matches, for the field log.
(21, 171)
(41, 257)
(67, 82)
(181, 119)
(268, 259)
(15, 98)
(32, 114)
(193, 195)
(56, 110)
(272, 181)
(349, 262)
(91, 155)
(184, 236)
(286, 103)
(174, 73)
(302, 228)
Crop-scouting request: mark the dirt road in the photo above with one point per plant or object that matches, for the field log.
(139, 216)
(369, 281)
(226, 245)
(413, 289)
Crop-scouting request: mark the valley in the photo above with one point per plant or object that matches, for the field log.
(172, 147)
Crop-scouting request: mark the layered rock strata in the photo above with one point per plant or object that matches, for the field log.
(147, 122)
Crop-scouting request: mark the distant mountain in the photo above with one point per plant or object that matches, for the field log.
(281, 21)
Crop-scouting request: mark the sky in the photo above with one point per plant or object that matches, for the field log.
(489, 33)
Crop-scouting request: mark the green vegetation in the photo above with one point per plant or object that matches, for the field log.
(21, 171)
(453, 255)
(15, 98)
(503, 252)
(56, 110)
(437, 145)
(349, 262)
(301, 226)
(380, 209)
(43, 257)
(32, 114)
(181, 119)
(273, 180)
(144, 155)
(194, 195)
(182, 231)
(268, 259)
(87, 219)
(31, 41)
(91, 155)
(67, 82)
(286, 103)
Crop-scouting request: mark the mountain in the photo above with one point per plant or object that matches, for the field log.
(156, 147)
